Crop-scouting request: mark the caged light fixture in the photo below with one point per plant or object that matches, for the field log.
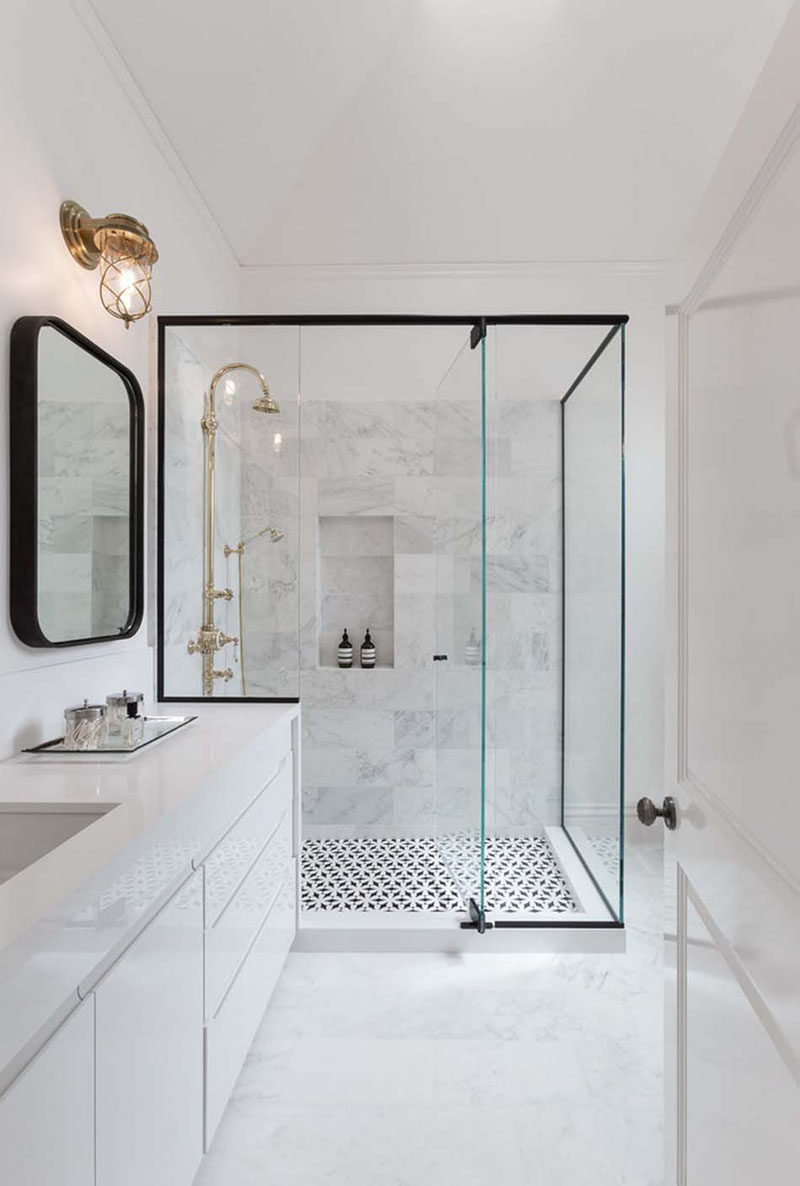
(123, 250)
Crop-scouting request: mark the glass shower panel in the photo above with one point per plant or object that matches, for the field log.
(459, 469)
(230, 507)
(593, 626)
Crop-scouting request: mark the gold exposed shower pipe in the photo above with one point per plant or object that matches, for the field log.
(238, 551)
(209, 639)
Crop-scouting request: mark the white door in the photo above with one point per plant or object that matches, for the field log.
(733, 745)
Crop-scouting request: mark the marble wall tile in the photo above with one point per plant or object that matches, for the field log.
(356, 536)
(520, 573)
(326, 765)
(395, 767)
(414, 630)
(351, 728)
(414, 534)
(458, 728)
(416, 574)
(373, 495)
(414, 728)
(355, 805)
(414, 811)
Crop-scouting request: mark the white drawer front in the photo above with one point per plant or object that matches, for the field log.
(228, 864)
(229, 1035)
(47, 1114)
(233, 932)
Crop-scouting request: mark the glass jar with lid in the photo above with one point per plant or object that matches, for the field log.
(85, 726)
(120, 706)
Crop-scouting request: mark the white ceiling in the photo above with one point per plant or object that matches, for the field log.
(436, 131)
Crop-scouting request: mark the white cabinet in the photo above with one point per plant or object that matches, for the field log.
(149, 1041)
(47, 1114)
(230, 1032)
(130, 1086)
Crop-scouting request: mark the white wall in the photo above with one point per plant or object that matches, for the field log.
(69, 129)
(546, 289)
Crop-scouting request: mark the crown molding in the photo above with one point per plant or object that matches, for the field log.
(119, 68)
(459, 270)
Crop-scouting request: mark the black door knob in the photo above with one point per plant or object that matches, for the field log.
(648, 813)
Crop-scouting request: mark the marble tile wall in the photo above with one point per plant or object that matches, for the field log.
(270, 586)
(397, 751)
(188, 372)
(524, 614)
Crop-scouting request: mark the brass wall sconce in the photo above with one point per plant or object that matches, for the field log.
(123, 250)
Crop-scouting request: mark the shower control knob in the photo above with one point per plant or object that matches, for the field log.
(648, 813)
(225, 674)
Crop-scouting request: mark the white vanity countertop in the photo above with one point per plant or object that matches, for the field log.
(64, 919)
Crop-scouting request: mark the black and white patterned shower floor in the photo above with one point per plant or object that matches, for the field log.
(522, 874)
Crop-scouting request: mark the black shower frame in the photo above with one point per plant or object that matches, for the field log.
(478, 324)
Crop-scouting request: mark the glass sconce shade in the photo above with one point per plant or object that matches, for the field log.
(123, 250)
(126, 268)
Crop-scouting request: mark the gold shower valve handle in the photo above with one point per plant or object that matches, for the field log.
(225, 594)
(226, 674)
(209, 641)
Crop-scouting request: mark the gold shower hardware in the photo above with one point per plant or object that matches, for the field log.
(274, 537)
(208, 642)
(209, 639)
(121, 246)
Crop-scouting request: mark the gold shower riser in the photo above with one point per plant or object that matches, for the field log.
(209, 639)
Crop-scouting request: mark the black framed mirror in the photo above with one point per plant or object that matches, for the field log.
(77, 489)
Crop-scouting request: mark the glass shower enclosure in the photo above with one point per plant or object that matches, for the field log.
(454, 486)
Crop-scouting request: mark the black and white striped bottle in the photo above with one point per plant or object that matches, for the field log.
(344, 653)
(368, 652)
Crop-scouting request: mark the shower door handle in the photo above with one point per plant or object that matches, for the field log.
(440, 658)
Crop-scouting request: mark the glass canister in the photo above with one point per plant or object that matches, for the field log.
(85, 726)
(119, 707)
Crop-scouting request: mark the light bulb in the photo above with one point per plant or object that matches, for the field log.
(126, 265)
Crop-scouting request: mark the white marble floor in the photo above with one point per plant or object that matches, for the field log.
(471, 1070)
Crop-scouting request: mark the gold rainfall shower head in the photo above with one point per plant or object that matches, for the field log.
(264, 403)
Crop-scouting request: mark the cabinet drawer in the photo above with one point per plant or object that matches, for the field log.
(233, 932)
(229, 1034)
(148, 1057)
(47, 1114)
(228, 864)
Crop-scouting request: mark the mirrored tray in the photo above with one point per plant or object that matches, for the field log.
(155, 729)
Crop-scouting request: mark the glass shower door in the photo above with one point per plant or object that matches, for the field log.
(459, 627)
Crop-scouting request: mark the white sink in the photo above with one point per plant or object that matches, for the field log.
(29, 831)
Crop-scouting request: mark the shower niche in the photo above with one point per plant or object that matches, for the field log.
(356, 585)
